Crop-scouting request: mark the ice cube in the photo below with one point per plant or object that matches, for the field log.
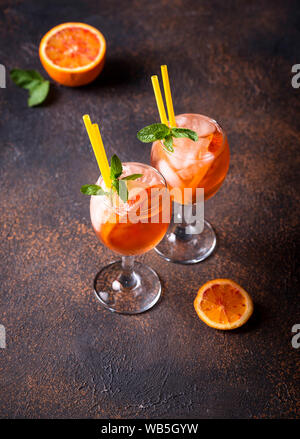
(186, 152)
(202, 125)
(169, 174)
(189, 172)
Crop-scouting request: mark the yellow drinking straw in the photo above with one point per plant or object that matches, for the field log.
(159, 100)
(168, 96)
(105, 171)
(98, 148)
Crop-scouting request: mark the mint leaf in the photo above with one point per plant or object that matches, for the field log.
(168, 143)
(92, 189)
(157, 131)
(116, 168)
(132, 177)
(38, 93)
(184, 132)
(123, 191)
(24, 77)
(32, 81)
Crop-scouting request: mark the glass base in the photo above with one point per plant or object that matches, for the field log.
(182, 248)
(119, 295)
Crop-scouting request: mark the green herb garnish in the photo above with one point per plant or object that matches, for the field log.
(160, 131)
(92, 189)
(32, 81)
(118, 185)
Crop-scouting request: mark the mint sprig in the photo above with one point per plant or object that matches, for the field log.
(160, 131)
(32, 81)
(117, 184)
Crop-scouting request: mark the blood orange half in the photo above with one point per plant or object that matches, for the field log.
(223, 304)
(73, 54)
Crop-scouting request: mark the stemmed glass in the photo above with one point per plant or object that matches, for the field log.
(131, 228)
(201, 164)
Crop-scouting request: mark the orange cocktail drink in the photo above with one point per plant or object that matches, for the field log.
(191, 151)
(130, 226)
(191, 166)
(130, 213)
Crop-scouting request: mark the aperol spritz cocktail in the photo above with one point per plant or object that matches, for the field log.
(130, 228)
(201, 164)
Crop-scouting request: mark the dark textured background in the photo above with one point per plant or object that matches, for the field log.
(68, 357)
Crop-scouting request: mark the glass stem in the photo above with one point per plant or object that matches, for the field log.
(180, 219)
(127, 278)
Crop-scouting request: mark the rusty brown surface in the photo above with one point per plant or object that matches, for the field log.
(68, 357)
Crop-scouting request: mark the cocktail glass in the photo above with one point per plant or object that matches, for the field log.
(131, 228)
(202, 164)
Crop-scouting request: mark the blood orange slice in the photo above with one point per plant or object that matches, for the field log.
(223, 304)
(73, 54)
